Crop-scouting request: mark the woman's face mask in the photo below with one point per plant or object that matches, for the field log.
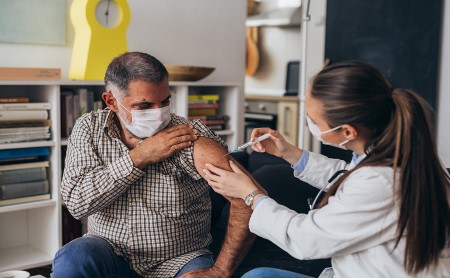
(145, 123)
(315, 131)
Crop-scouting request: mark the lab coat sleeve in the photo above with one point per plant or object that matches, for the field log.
(319, 169)
(361, 215)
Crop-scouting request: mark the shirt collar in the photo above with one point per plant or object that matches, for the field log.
(356, 158)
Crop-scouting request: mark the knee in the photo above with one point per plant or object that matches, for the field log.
(78, 256)
(260, 272)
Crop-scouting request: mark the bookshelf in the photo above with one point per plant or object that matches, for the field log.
(31, 233)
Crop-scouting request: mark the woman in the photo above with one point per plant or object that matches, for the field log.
(370, 223)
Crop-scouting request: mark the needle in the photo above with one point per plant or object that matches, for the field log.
(250, 143)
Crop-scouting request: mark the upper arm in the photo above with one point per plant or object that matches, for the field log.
(207, 150)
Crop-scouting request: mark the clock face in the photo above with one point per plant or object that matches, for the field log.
(107, 13)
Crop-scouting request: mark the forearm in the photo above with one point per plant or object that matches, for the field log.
(87, 190)
(238, 239)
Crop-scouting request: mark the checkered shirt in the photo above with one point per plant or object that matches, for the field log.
(158, 219)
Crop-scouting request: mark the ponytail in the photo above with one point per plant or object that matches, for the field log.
(424, 215)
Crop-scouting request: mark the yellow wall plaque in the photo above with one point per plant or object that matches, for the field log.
(100, 35)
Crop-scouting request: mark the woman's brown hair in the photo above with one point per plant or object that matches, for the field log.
(400, 135)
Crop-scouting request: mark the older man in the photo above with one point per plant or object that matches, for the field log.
(135, 170)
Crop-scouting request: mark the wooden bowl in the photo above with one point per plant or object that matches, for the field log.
(187, 73)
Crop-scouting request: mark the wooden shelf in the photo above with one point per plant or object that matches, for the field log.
(29, 205)
(23, 257)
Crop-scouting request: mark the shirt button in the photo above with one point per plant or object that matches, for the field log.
(133, 203)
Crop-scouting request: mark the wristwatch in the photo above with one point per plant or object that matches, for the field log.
(249, 198)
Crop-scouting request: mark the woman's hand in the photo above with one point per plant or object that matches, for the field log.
(275, 145)
(234, 184)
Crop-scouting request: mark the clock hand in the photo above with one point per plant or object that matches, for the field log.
(107, 11)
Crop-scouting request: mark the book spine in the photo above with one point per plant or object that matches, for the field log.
(83, 101)
(202, 112)
(90, 101)
(203, 97)
(203, 105)
(23, 175)
(24, 165)
(76, 106)
(14, 201)
(14, 99)
(18, 190)
(25, 152)
(29, 123)
(69, 114)
(18, 115)
(25, 106)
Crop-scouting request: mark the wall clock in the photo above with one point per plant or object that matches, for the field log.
(100, 35)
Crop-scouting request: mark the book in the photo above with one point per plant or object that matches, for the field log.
(213, 122)
(23, 175)
(203, 101)
(25, 199)
(24, 152)
(203, 97)
(76, 107)
(22, 130)
(215, 117)
(25, 189)
(203, 105)
(202, 111)
(216, 127)
(8, 73)
(14, 99)
(23, 137)
(24, 166)
(67, 114)
(25, 106)
(18, 115)
(83, 101)
(28, 123)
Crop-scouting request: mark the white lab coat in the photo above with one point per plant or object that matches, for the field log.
(357, 228)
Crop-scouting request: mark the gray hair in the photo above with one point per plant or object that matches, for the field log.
(132, 66)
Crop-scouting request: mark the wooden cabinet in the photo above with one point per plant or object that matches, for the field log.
(288, 117)
(286, 113)
(31, 233)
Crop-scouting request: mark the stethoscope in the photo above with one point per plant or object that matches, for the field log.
(312, 203)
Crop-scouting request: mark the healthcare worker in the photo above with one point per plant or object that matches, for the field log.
(388, 215)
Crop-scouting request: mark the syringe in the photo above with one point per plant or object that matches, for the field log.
(250, 143)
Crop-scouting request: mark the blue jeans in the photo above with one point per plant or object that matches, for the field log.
(268, 272)
(92, 256)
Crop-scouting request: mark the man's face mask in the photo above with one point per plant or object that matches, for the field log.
(315, 131)
(145, 123)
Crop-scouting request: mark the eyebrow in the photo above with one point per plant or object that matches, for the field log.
(150, 103)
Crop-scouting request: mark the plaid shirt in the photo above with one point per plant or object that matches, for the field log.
(157, 219)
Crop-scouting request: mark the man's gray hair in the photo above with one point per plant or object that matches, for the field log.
(132, 66)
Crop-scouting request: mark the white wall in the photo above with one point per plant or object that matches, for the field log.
(188, 32)
(277, 46)
(443, 127)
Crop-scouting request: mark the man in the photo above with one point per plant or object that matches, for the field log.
(136, 171)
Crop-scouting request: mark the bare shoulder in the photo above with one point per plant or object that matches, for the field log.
(207, 150)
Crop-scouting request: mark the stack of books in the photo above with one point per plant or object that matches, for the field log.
(23, 175)
(205, 108)
(22, 121)
(75, 103)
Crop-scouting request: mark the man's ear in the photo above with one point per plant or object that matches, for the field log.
(350, 132)
(110, 101)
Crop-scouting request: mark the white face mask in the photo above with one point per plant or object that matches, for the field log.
(145, 123)
(315, 131)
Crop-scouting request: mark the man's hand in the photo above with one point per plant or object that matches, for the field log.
(205, 272)
(162, 145)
